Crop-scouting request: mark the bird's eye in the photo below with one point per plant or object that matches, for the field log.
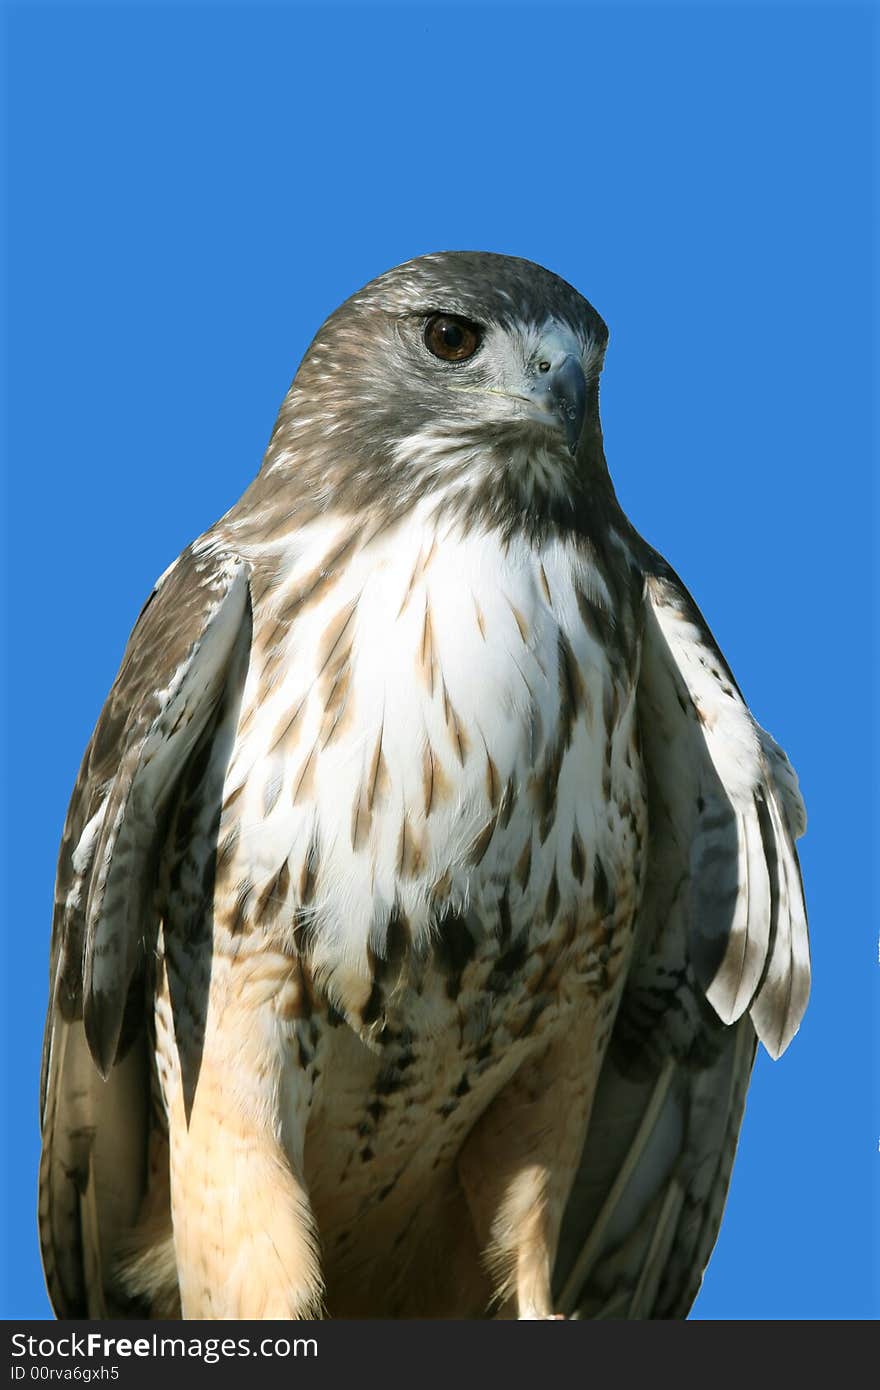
(451, 338)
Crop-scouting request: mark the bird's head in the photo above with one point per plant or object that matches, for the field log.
(464, 378)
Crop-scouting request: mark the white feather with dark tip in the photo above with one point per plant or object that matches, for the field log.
(748, 928)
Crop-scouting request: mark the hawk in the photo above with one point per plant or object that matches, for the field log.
(427, 884)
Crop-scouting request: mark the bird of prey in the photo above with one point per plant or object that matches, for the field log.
(427, 884)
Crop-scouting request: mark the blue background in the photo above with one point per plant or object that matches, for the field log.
(192, 190)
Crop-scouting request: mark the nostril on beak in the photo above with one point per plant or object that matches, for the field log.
(562, 392)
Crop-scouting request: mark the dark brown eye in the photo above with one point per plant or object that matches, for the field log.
(450, 338)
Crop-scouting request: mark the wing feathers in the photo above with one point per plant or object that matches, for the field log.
(644, 1298)
(730, 907)
(644, 1248)
(782, 998)
(192, 634)
(721, 953)
(158, 740)
(747, 922)
(93, 1159)
(631, 1158)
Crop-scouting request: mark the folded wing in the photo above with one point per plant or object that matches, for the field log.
(191, 638)
(721, 959)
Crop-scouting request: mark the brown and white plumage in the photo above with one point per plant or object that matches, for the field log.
(427, 880)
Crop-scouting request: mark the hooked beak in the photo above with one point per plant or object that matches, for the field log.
(559, 390)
